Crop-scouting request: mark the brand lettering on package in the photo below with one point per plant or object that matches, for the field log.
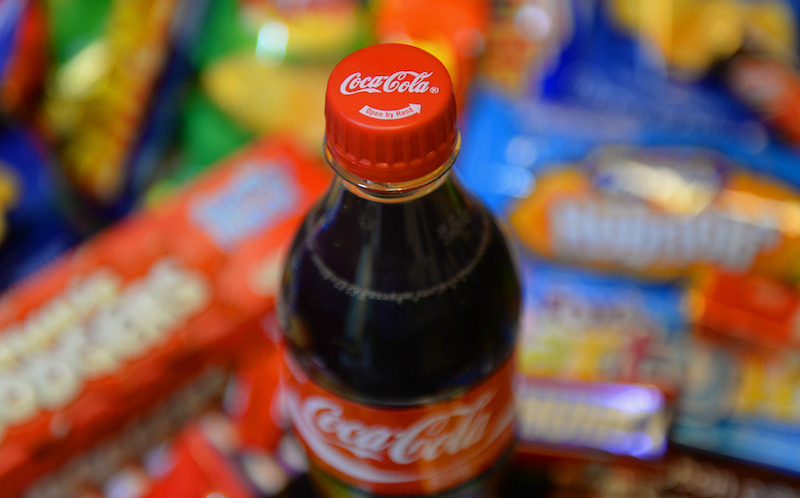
(399, 81)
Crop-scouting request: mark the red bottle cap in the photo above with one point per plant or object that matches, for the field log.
(391, 113)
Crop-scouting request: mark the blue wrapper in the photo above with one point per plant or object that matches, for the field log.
(37, 230)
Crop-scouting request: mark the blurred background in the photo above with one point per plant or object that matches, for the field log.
(155, 157)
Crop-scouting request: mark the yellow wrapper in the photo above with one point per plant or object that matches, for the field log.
(9, 191)
(269, 99)
(691, 35)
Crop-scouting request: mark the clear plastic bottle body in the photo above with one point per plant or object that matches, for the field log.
(399, 300)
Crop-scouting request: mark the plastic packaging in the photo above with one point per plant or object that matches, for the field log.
(34, 228)
(105, 332)
(23, 57)
(660, 213)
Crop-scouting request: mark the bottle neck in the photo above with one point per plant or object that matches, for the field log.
(387, 192)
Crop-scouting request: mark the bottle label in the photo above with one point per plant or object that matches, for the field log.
(404, 451)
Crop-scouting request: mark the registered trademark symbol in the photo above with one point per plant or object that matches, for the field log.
(434, 89)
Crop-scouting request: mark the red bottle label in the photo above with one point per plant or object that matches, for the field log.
(404, 451)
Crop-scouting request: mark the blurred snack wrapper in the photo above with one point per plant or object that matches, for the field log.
(108, 330)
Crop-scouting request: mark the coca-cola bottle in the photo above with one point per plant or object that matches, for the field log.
(399, 301)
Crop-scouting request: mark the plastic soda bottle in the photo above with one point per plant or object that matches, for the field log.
(400, 299)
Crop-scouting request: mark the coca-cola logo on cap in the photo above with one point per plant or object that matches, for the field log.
(399, 81)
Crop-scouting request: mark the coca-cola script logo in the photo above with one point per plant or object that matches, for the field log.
(399, 81)
(427, 439)
(404, 451)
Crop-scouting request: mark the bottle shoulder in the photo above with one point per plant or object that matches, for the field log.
(420, 244)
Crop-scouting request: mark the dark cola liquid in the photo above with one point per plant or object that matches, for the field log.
(398, 304)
